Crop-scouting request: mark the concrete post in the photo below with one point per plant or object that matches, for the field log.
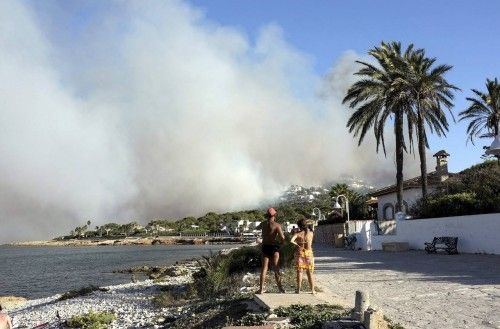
(374, 319)
(361, 304)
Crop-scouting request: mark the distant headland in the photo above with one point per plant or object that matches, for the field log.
(130, 241)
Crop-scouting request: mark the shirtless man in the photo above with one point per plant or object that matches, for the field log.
(271, 231)
(5, 322)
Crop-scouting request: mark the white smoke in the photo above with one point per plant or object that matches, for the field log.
(157, 112)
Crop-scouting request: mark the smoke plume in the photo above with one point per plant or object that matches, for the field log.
(150, 110)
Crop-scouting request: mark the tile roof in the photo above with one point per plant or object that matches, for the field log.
(433, 179)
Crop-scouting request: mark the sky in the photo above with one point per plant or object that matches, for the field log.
(456, 32)
(133, 110)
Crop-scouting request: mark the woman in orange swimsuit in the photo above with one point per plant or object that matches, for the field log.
(304, 258)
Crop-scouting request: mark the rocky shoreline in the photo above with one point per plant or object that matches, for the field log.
(131, 241)
(132, 303)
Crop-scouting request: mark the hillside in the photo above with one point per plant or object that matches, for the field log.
(296, 202)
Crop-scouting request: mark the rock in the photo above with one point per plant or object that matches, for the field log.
(156, 272)
(249, 278)
(374, 319)
(154, 275)
(159, 241)
(10, 302)
(277, 322)
(343, 324)
(176, 271)
(169, 319)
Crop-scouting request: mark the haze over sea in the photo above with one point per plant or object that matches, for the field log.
(45, 271)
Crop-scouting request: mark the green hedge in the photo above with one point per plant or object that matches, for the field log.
(458, 204)
(475, 190)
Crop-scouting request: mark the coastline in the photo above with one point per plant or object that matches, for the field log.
(131, 241)
(132, 303)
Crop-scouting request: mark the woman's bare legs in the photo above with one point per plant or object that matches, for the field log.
(310, 278)
(299, 281)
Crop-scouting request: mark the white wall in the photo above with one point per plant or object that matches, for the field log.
(409, 195)
(363, 230)
(476, 233)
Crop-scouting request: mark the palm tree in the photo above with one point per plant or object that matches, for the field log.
(357, 201)
(483, 112)
(429, 93)
(379, 96)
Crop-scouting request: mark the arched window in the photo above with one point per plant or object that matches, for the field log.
(405, 209)
(388, 211)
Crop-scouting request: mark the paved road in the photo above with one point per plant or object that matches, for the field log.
(415, 289)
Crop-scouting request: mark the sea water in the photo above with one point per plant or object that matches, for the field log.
(35, 272)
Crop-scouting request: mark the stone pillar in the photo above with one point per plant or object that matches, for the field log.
(374, 319)
(361, 304)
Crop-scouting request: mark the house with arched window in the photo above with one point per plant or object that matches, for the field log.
(386, 198)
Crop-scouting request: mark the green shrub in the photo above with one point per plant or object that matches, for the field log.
(174, 296)
(91, 320)
(243, 260)
(475, 190)
(251, 319)
(301, 316)
(81, 292)
(483, 180)
(287, 254)
(220, 273)
(458, 204)
(311, 317)
(210, 280)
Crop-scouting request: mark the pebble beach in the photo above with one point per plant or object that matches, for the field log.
(131, 302)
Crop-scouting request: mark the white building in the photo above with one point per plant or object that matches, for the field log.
(254, 226)
(241, 226)
(386, 197)
(288, 227)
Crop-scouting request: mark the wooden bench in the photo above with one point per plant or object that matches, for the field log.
(447, 243)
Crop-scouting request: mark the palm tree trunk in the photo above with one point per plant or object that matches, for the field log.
(421, 152)
(398, 127)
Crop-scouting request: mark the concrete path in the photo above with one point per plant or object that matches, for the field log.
(419, 291)
(272, 301)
